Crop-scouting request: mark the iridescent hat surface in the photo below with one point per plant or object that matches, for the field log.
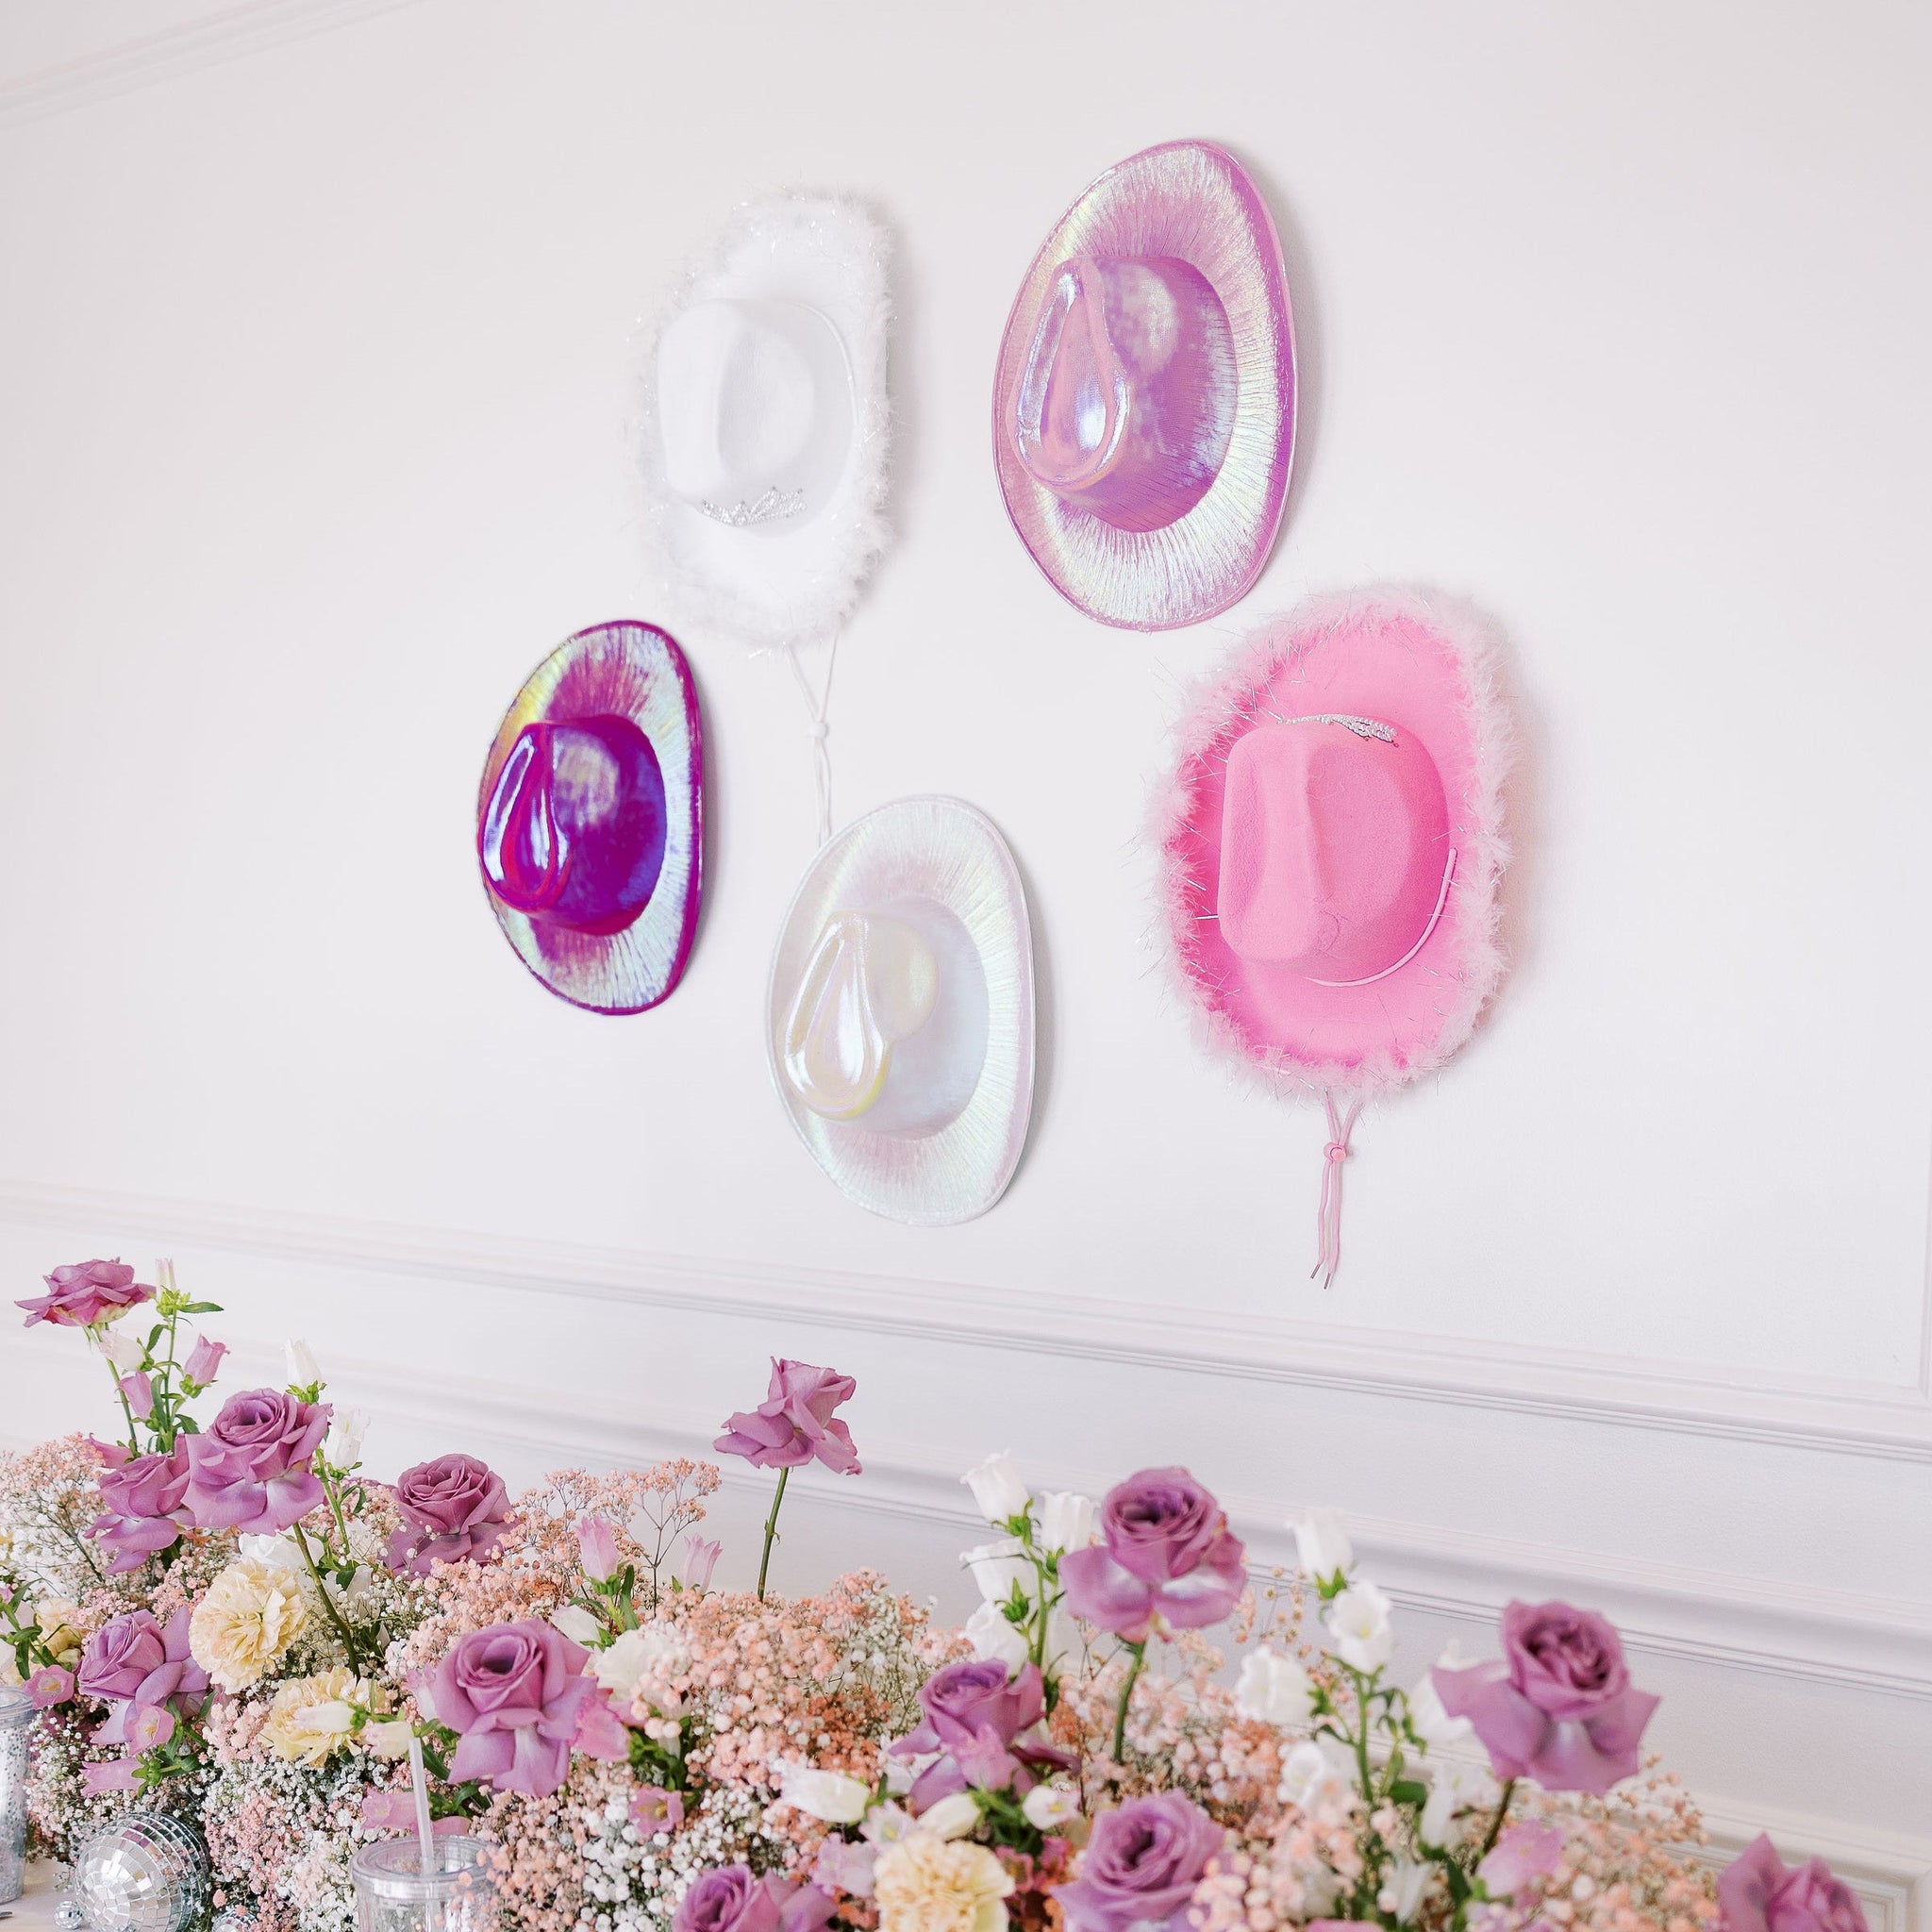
(1143, 404)
(590, 819)
(899, 1025)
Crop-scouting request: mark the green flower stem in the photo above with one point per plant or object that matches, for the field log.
(328, 1608)
(1496, 1830)
(1139, 1653)
(770, 1532)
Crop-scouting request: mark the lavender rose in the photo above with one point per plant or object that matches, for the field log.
(794, 1422)
(85, 1293)
(731, 1899)
(1142, 1866)
(984, 1726)
(133, 1662)
(251, 1470)
(517, 1695)
(1559, 1706)
(455, 1509)
(143, 1496)
(1167, 1553)
(1758, 1894)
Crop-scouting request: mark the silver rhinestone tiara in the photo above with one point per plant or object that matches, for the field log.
(773, 507)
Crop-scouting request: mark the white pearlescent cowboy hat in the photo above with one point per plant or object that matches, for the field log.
(763, 432)
(899, 1025)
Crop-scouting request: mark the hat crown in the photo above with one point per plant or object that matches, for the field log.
(888, 1025)
(754, 409)
(1335, 853)
(1126, 405)
(573, 832)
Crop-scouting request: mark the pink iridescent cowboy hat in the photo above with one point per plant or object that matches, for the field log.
(590, 819)
(1331, 845)
(1144, 405)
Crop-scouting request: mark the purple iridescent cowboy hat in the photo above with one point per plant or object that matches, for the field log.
(590, 820)
(1144, 404)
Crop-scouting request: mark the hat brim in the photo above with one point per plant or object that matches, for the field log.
(943, 850)
(770, 587)
(1192, 200)
(1429, 668)
(632, 670)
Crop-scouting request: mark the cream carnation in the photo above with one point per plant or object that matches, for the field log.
(926, 1884)
(312, 1717)
(252, 1613)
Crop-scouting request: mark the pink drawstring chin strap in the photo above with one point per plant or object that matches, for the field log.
(1328, 1215)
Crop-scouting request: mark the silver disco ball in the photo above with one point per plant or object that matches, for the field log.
(147, 1874)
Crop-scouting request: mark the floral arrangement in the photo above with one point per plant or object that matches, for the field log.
(229, 1620)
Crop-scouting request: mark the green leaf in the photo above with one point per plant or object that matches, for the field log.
(1406, 1791)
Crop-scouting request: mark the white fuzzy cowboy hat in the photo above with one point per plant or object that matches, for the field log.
(763, 432)
(899, 1023)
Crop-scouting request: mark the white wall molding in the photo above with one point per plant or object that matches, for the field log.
(1806, 1413)
(1780, 1629)
(1891, 1872)
(227, 34)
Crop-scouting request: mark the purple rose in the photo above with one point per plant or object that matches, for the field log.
(456, 1509)
(731, 1899)
(794, 1422)
(143, 1496)
(204, 1362)
(985, 1727)
(1168, 1553)
(84, 1293)
(516, 1694)
(133, 1662)
(1559, 1706)
(1142, 1866)
(250, 1471)
(1758, 1894)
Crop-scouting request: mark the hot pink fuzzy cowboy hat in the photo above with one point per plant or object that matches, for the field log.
(1331, 845)
(1144, 404)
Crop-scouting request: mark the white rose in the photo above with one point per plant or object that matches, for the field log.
(1066, 1519)
(636, 1655)
(1455, 1788)
(299, 1361)
(991, 1635)
(276, 1552)
(1311, 1772)
(122, 1350)
(997, 1488)
(827, 1795)
(344, 1445)
(1321, 1545)
(1273, 1689)
(577, 1623)
(953, 1816)
(1359, 1628)
(1051, 1806)
(1404, 1888)
(389, 1739)
(996, 1567)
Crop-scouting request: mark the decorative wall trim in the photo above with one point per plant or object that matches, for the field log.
(224, 35)
(1891, 1422)
(1768, 1628)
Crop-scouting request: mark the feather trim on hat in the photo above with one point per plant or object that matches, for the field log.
(769, 595)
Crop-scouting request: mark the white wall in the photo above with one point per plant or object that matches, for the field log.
(319, 345)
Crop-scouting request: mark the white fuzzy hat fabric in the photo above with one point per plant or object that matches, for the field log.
(781, 586)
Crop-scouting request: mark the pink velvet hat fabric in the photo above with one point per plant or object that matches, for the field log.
(1331, 843)
(1143, 404)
